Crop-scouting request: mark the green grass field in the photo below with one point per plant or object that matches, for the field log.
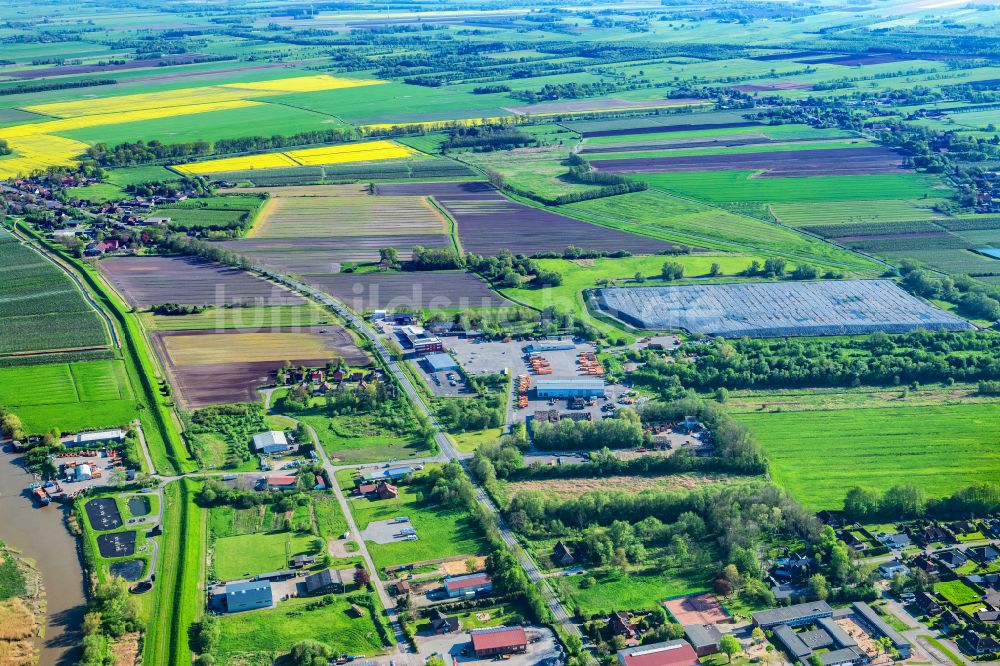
(244, 318)
(254, 636)
(957, 592)
(349, 440)
(689, 222)
(69, 396)
(630, 591)
(726, 186)
(443, 531)
(818, 455)
(250, 554)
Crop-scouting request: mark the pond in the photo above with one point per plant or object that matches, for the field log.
(138, 505)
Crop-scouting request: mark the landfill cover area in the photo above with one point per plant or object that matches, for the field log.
(771, 309)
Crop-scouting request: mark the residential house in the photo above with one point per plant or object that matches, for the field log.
(929, 566)
(898, 540)
(927, 604)
(386, 490)
(935, 534)
(561, 555)
(621, 624)
(987, 554)
(852, 540)
(442, 623)
(980, 644)
(301, 561)
(988, 616)
(952, 558)
(467, 586)
(329, 580)
(963, 527)
(948, 619)
(891, 568)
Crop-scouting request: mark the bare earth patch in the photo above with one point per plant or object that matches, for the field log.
(126, 650)
(458, 568)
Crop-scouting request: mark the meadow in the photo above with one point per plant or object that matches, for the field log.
(939, 448)
(69, 396)
(660, 215)
(725, 186)
(352, 440)
(442, 531)
(254, 318)
(250, 637)
(636, 591)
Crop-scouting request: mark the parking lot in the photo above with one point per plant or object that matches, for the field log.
(389, 531)
(445, 384)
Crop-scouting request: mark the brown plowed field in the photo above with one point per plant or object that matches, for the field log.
(419, 290)
(489, 222)
(211, 368)
(147, 281)
(821, 162)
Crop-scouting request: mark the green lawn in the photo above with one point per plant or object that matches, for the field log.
(256, 636)
(818, 455)
(250, 554)
(443, 531)
(957, 592)
(243, 318)
(630, 591)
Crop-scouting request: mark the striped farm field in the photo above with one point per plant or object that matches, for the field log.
(818, 455)
(816, 213)
(311, 217)
(355, 152)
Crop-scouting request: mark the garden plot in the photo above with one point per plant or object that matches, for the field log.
(769, 309)
(489, 222)
(148, 281)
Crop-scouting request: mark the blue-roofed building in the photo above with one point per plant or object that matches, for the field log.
(440, 362)
(569, 388)
(248, 595)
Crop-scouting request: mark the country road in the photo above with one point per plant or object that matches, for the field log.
(441, 438)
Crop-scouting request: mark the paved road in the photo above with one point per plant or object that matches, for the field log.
(444, 443)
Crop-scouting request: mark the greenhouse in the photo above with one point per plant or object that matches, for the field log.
(778, 309)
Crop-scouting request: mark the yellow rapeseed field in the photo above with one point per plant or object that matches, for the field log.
(267, 161)
(189, 96)
(363, 152)
(304, 84)
(38, 152)
(358, 152)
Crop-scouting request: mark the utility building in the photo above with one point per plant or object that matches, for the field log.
(569, 388)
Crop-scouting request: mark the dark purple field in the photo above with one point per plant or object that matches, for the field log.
(489, 222)
(148, 281)
(816, 162)
(69, 70)
(324, 255)
(718, 143)
(649, 129)
(417, 290)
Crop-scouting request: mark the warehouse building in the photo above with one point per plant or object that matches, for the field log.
(100, 437)
(569, 388)
(420, 341)
(248, 595)
(273, 441)
(499, 641)
(438, 362)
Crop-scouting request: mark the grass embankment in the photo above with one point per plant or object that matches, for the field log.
(167, 449)
(178, 602)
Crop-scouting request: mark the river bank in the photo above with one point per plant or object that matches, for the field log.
(40, 534)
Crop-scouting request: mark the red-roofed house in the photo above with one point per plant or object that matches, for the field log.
(462, 586)
(670, 653)
(366, 489)
(387, 491)
(500, 640)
